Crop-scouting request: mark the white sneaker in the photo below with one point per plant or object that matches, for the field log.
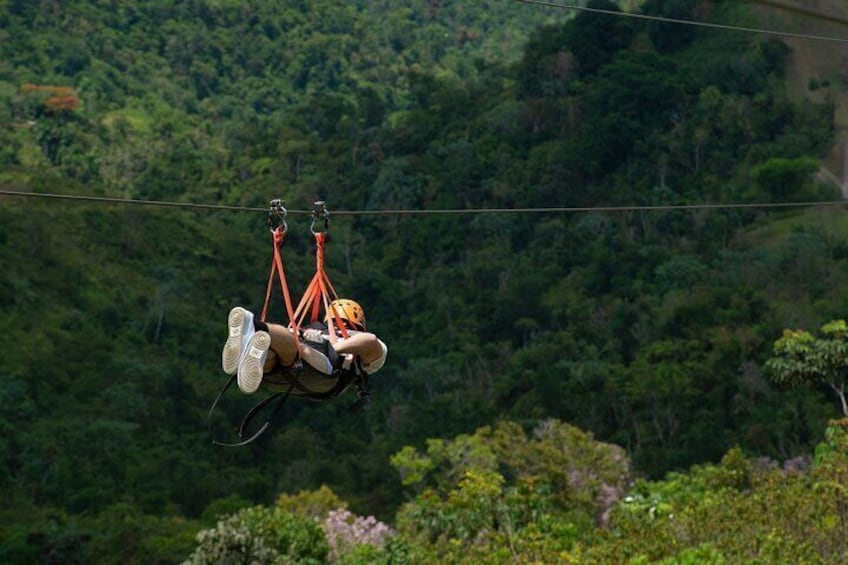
(250, 368)
(240, 322)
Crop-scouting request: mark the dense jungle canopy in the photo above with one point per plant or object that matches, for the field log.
(559, 385)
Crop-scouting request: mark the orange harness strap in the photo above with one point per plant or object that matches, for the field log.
(277, 267)
(319, 292)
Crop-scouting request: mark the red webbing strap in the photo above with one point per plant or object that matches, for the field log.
(300, 311)
(319, 292)
(277, 267)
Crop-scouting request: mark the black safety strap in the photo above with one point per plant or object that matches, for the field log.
(250, 415)
(281, 399)
(344, 378)
(360, 379)
(215, 403)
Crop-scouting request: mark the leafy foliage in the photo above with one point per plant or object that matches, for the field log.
(263, 535)
(710, 514)
(790, 515)
(311, 504)
(801, 358)
(498, 493)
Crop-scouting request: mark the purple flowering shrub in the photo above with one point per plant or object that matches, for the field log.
(345, 531)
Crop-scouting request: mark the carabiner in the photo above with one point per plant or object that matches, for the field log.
(277, 216)
(319, 209)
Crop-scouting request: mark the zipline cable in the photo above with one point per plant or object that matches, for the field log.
(411, 212)
(112, 200)
(683, 22)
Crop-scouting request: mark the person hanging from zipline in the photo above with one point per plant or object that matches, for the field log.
(255, 348)
(323, 350)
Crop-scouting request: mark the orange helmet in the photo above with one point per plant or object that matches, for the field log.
(347, 310)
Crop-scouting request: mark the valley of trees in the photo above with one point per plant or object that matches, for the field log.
(607, 386)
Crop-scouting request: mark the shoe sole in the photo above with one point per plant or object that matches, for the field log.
(231, 354)
(250, 369)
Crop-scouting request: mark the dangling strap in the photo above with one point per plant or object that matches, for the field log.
(281, 399)
(215, 404)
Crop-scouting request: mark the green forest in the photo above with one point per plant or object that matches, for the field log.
(626, 344)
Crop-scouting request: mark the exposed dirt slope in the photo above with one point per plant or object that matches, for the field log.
(818, 69)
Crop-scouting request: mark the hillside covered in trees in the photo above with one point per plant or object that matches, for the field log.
(583, 386)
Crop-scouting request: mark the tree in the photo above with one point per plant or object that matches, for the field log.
(501, 496)
(800, 358)
(740, 511)
(781, 178)
(595, 38)
(261, 535)
(669, 37)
